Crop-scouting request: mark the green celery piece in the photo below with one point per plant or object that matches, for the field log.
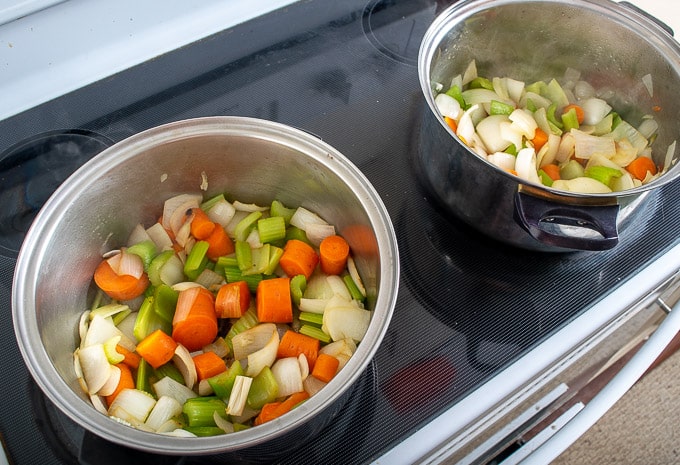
(205, 431)
(531, 106)
(233, 274)
(569, 120)
(298, 284)
(353, 288)
(170, 370)
(146, 250)
(229, 260)
(148, 321)
(604, 174)
(244, 256)
(480, 83)
(554, 92)
(511, 149)
(616, 120)
(538, 87)
(552, 119)
(315, 332)
(545, 179)
(278, 209)
(156, 265)
(143, 377)
(293, 232)
(500, 108)
(271, 229)
(457, 94)
(208, 204)
(315, 319)
(570, 170)
(165, 302)
(246, 321)
(275, 254)
(197, 260)
(223, 383)
(246, 225)
(240, 427)
(263, 389)
(256, 264)
(199, 410)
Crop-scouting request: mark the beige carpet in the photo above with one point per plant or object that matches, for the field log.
(643, 428)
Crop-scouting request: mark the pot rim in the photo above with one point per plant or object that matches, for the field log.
(35, 247)
(646, 27)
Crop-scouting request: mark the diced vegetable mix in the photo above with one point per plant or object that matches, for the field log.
(221, 316)
(562, 135)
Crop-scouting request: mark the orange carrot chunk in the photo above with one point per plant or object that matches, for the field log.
(333, 254)
(126, 382)
(119, 287)
(157, 348)
(194, 324)
(201, 225)
(293, 344)
(552, 170)
(208, 364)
(220, 244)
(325, 367)
(273, 301)
(298, 258)
(539, 140)
(639, 167)
(131, 358)
(233, 300)
(274, 410)
(267, 413)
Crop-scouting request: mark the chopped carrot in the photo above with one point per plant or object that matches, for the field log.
(131, 359)
(298, 258)
(233, 300)
(540, 138)
(293, 344)
(552, 170)
(208, 364)
(325, 367)
(157, 348)
(220, 244)
(126, 382)
(580, 115)
(639, 167)
(194, 324)
(119, 287)
(273, 301)
(201, 225)
(276, 409)
(452, 123)
(333, 254)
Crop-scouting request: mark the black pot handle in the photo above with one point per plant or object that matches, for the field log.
(535, 214)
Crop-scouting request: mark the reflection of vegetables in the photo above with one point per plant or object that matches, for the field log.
(504, 120)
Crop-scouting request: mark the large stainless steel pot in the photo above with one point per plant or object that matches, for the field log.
(611, 44)
(95, 209)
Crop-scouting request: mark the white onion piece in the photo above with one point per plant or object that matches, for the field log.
(222, 423)
(127, 264)
(252, 340)
(204, 388)
(317, 232)
(175, 208)
(448, 106)
(286, 372)
(219, 346)
(538, 100)
(138, 235)
(304, 366)
(670, 153)
(170, 427)
(524, 123)
(99, 404)
(489, 131)
(263, 357)
(346, 321)
(159, 236)
(515, 89)
(313, 385)
(83, 325)
(135, 402)
(503, 160)
(183, 234)
(466, 127)
(239, 395)
(108, 310)
(180, 433)
(525, 165)
(167, 386)
(166, 408)
(585, 145)
(209, 278)
(221, 212)
(625, 153)
(583, 90)
(338, 286)
(79, 371)
(127, 326)
(625, 181)
(582, 185)
(510, 133)
(230, 227)
(102, 329)
(253, 239)
(95, 367)
(566, 148)
(342, 350)
(249, 207)
(548, 152)
(185, 364)
(470, 72)
(318, 287)
(594, 110)
(354, 274)
(303, 217)
(112, 383)
(312, 305)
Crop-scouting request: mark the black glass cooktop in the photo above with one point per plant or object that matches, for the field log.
(346, 72)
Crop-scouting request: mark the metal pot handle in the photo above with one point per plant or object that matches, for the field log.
(639, 10)
(531, 212)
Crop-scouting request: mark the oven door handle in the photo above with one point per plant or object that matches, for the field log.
(548, 450)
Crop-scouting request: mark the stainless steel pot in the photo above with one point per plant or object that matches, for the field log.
(612, 44)
(95, 209)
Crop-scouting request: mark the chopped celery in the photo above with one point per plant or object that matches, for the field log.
(353, 288)
(247, 321)
(233, 274)
(312, 318)
(293, 232)
(224, 382)
(571, 169)
(146, 250)
(569, 120)
(170, 370)
(208, 204)
(143, 377)
(244, 255)
(271, 229)
(511, 149)
(500, 108)
(480, 83)
(315, 332)
(197, 260)
(278, 209)
(275, 254)
(298, 285)
(157, 264)
(545, 179)
(148, 321)
(240, 427)
(552, 119)
(165, 301)
(204, 431)
(604, 174)
(246, 225)
(264, 389)
(199, 410)
(456, 93)
(553, 91)
(537, 87)
(531, 106)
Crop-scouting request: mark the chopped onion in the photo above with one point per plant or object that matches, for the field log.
(625, 153)
(670, 153)
(159, 236)
(581, 184)
(221, 212)
(175, 208)
(583, 90)
(304, 366)
(138, 235)
(317, 232)
(548, 152)
(264, 357)
(185, 364)
(167, 386)
(99, 404)
(83, 325)
(102, 329)
(566, 148)
(338, 287)
(222, 423)
(239, 395)
(112, 383)
(230, 227)
(137, 403)
(489, 131)
(525, 165)
(510, 133)
(585, 145)
(286, 372)
(503, 160)
(249, 207)
(170, 427)
(466, 127)
(448, 106)
(313, 385)
(95, 367)
(594, 110)
(252, 340)
(470, 72)
(219, 347)
(347, 321)
(312, 305)
(183, 235)
(180, 433)
(166, 408)
(342, 350)
(204, 388)
(253, 239)
(209, 278)
(172, 271)
(303, 217)
(648, 127)
(524, 123)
